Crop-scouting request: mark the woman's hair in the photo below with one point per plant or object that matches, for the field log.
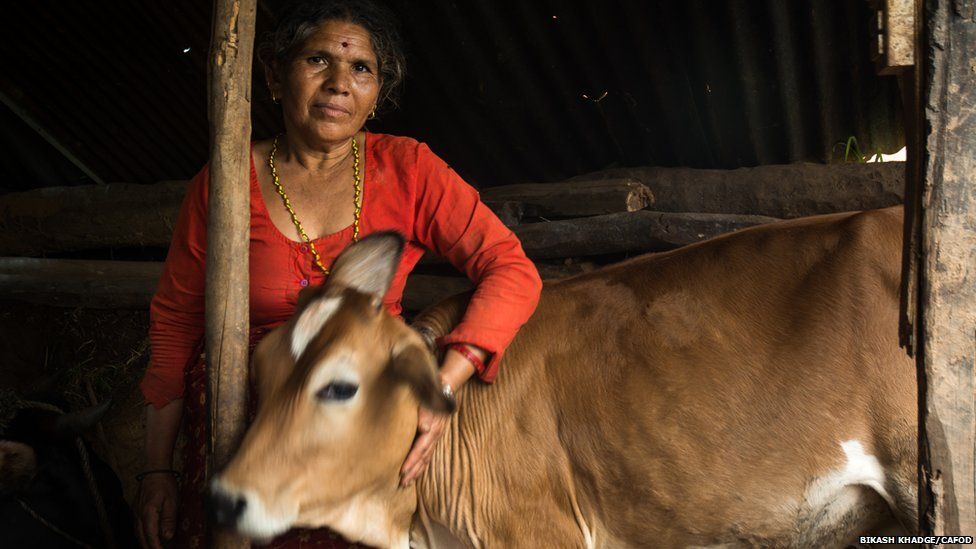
(300, 19)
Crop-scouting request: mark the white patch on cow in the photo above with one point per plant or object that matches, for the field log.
(865, 470)
(310, 323)
(367, 521)
(589, 539)
(256, 522)
(831, 497)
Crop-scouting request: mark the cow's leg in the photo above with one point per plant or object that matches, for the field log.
(861, 496)
(903, 487)
(853, 511)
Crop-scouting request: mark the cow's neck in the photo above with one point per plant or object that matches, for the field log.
(378, 517)
(448, 509)
(480, 449)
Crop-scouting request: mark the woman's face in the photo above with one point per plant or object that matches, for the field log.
(329, 88)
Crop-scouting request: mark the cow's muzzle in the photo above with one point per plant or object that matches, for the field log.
(243, 511)
(226, 509)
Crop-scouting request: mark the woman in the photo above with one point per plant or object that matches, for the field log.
(321, 185)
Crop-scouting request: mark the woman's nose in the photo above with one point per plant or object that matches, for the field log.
(338, 81)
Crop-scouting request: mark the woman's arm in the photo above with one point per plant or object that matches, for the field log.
(162, 426)
(175, 329)
(157, 501)
(176, 314)
(452, 221)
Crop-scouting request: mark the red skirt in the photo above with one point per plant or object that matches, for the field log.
(192, 531)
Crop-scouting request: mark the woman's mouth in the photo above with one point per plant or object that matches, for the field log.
(331, 110)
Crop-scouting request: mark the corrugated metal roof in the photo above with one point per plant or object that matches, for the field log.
(528, 91)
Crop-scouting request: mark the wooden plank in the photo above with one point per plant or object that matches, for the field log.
(228, 234)
(893, 34)
(785, 191)
(947, 384)
(899, 35)
(66, 219)
(911, 236)
(79, 283)
(635, 232)
(95, 284)
(574, 198)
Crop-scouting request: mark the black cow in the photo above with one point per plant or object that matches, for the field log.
(45, 500)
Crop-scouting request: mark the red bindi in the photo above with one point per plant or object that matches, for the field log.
(345, 44)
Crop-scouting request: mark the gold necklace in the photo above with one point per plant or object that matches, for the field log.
(356, 202)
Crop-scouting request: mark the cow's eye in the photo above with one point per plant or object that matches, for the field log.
(337, 390)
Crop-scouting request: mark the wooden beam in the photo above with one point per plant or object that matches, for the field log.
(947, 383)
(785, 191)
(574, 198)
(634, 232)
(228, 233)
(79, 283)
(893, 34)
(72, 283)
(64, 219)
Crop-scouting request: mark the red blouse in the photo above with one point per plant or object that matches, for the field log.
(406, 188)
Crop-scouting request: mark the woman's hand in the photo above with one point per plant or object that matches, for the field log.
(157, 500)
(156, 510)
(430, 426)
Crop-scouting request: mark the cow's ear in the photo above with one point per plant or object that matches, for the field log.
(414, 364)
(369, 265)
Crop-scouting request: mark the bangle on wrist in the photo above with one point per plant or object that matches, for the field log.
(462, 349)
(448, 392)
(144, 474)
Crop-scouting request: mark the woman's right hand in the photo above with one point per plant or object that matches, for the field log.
(156, 510)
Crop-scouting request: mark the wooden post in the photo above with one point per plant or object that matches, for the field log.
(947, 290)
(228, 232)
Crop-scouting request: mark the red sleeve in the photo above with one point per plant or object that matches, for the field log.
(453, 222)
(176, 321)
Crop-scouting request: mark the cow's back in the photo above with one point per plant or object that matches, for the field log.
(704, 395)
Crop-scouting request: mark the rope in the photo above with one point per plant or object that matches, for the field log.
(30, 511)
(96, 495)
(89, 478)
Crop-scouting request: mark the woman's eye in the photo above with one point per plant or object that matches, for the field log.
(316, 60)
(337, 390)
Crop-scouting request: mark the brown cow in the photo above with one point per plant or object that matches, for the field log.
(748, 390)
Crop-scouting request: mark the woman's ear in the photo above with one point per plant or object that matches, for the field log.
(272, 76)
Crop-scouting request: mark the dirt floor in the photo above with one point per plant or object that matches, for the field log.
(77, 358)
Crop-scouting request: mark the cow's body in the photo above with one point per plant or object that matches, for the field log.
(748, 390)
(698, 397)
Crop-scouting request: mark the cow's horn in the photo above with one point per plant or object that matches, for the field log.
(82, 420)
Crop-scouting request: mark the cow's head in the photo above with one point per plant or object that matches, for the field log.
(338, 388)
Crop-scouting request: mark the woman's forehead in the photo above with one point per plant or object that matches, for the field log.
(341, 37)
